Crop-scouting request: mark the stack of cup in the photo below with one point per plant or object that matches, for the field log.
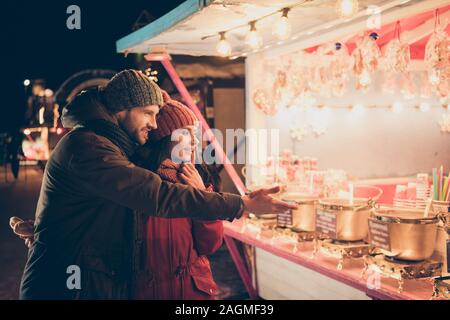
(422, 186)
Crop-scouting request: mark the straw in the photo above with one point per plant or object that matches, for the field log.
(447, 197)
(434, 184)
(441, 183)
(444, 189)
(438, 178)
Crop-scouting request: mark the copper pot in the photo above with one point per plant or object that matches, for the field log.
(351, 219)
(412, 236)
(304, 218)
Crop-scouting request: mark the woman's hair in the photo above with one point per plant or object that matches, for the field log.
(151, 157)
(159, 151)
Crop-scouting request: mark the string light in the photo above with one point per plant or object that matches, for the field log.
(223, 46)
(434, 77)
(253, 39)
(424, 107)
(358, 109)
(48, 93)
(347, 8)
(152, 74)
(397, 107)
(364, 78)
(283, 28)
(26, 82)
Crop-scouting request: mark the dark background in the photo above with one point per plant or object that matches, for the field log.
(36, 44)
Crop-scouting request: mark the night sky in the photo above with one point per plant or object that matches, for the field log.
(36, 44)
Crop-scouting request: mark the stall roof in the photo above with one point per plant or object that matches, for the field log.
(192, 28)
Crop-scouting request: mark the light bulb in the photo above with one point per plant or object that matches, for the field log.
(26, 82)
(48, 93)
(364, 78)
(283, 28)
(424, 107)
(397, 107)
(27, 132)
(253, 39)
(223, 47)
(347, 8)
(358, 108)
(434, 77)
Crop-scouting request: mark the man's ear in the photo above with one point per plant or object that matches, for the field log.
(120, 115)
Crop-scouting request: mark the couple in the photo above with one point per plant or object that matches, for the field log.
(102, 213)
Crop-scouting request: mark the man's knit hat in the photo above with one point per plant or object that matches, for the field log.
(130, 89)
(172, 116)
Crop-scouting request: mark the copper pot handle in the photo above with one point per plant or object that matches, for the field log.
(443, 217)
(371, 203)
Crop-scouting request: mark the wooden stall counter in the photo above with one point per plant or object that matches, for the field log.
(284, 273)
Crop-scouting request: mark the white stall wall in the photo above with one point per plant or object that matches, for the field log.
(297, 282)
(373, 143)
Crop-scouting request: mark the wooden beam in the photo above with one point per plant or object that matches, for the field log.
(164, 23)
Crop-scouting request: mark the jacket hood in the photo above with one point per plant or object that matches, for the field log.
(86, 106)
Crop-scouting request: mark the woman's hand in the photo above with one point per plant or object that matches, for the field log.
(190, 176)
(24, 229)
(260, 202)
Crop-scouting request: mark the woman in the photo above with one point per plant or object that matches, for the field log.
(177, 248)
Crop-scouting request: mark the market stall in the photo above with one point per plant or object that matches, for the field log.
(353, 99)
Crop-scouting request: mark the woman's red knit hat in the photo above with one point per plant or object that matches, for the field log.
(172, 116)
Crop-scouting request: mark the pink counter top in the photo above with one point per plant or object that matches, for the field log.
(327, 266)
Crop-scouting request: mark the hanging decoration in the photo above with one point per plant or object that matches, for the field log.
(297, 79)
(339, 69)
(389, 85)
(426, 91)
(408, 87)
(262, 102)
(319, 79)
(298, 133)
(397, 54)
(444, 123)
(280, 91)
(365, 60)
(443, 89)
(437, 53)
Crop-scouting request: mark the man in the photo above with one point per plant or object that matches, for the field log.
(90, 212)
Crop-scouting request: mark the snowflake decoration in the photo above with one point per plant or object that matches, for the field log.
(319, 129)
(298, 133)
(444, 123)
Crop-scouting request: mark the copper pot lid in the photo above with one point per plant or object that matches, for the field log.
(299, 198)
(344, 204)
(399, 215)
